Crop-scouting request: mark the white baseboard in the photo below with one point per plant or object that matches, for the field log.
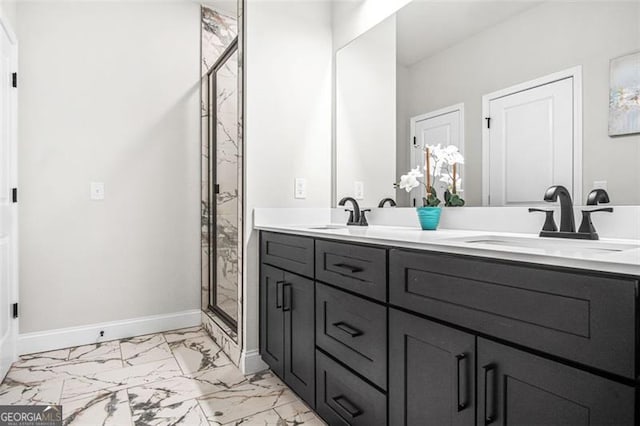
(87, 334)
(251, 362)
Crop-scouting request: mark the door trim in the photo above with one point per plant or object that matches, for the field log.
(576, 74)
(13, 177)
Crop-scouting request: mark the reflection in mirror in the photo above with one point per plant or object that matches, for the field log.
(522, 88)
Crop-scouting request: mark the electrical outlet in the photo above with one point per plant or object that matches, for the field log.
(300, 190)
(600, 184)
(97, 190)
(358, 189)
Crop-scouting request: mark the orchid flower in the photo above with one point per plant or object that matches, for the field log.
(410, 180)
(448, 180)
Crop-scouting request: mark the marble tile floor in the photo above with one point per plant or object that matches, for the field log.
(179, 377)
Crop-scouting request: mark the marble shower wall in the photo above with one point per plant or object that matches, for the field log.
(224, 104)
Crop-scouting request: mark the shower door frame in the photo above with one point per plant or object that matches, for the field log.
(213, 190)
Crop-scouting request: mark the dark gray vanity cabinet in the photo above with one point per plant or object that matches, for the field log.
(345, 399)
(357, 268)
(287, 328)
(370, 335)
(272, 318)
(431, 373)
(518, 388)
(353, 330)
(584, 317)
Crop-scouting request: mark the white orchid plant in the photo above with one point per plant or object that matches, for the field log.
(441, 163)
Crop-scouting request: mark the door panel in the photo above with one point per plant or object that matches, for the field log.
(531, 134)
(517, 388)
(444, 127)
(298, 306)
(8, 213)
(272, 318)
(431, 373)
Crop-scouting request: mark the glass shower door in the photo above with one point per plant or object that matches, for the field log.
(225, 168)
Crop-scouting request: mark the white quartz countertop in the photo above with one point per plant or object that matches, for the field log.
(606, 255)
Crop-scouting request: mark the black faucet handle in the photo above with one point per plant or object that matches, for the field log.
(549, 223)
(363, 218)
(597, 196)
(604, 209)
(586, 227)
(350, 220)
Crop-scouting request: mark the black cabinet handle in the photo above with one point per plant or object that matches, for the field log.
(347, 406)
(286, 297)
(279, 295)
(351, 331)
(489, 397)
(461, 404)
(350, 268)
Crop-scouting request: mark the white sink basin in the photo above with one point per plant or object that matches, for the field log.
(547, 244)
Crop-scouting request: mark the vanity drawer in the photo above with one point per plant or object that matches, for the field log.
(360, 269)
(342, 398)
(579, 316)
(288, 252)
(353, 330)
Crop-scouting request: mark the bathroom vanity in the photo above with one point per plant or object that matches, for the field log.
(403, 333)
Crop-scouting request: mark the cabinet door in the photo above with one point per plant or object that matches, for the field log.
(431, 373)
(518, 388)
(299, 331)
(272, 318)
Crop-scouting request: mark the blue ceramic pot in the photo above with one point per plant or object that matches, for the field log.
(429, 217)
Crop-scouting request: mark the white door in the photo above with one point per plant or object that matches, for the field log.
(530, 143)
(444, 127)
(8, 220)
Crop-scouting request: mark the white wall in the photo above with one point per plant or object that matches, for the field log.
(352, 18)
(543, 40)
(366, 111)
(8, 12)
(108, 92)
(288, 119)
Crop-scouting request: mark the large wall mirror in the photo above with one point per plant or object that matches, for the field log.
(532, 93)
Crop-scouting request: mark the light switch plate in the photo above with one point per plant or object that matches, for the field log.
(300, 189)
(97, 190)
(358, 189)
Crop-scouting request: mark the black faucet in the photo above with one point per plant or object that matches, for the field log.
(354, 215)
(386, 200)
(567, 223)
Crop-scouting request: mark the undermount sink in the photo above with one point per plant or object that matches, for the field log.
(547, 244)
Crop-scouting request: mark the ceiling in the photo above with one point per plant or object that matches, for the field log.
(426, 27)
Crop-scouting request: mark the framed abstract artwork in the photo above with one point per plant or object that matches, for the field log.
(624, 95)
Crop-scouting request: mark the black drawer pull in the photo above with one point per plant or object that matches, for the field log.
(351, 331)
(279, 295)
(489, 397)
(286, 297)
(462, 404)
(347, 406)
(346, 267)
